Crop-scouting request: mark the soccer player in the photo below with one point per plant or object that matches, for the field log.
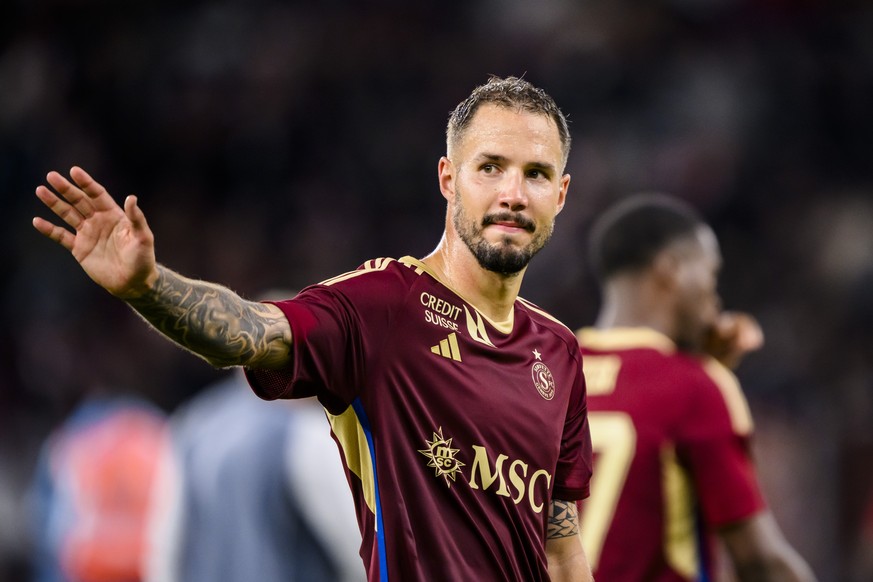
(458, 406)
(669, 423)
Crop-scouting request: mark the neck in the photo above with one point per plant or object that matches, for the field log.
(632, 303)
(491, 293)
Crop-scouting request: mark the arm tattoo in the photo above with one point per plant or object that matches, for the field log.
(214, 322)
(563, 519)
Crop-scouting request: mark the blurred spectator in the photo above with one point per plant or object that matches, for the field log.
(252, 490)
(91, 491)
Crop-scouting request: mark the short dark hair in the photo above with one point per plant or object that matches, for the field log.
(509, 92)
(629, 234)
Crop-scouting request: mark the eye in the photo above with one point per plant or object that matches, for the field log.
(489, 168)
(537, 174)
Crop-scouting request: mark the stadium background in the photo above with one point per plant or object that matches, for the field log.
(277, 143)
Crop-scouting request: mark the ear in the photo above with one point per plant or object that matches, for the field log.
(562, 193)
(665, 268)
(446, 174)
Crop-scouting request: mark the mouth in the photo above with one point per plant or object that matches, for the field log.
(509, 222)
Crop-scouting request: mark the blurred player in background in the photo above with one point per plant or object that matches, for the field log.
(670, 425)
(422, 364)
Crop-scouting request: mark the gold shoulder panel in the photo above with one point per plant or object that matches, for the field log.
(734, 399)
(624, 338)
(369, 267)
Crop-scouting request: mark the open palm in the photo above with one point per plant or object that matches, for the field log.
(114, 246)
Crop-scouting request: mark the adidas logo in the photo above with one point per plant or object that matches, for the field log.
(448, 348)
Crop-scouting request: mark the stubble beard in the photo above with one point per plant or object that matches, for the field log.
(503, 257)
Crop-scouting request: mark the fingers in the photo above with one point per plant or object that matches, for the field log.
(87, 196)
(750, 335)
(97, 194)
(72, 203)
(735, 335)
(134, 213)
(63, 210)
(70, 193)
(56, 233)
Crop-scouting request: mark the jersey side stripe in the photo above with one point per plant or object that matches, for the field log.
(681, 548)
(364, 423)
(350, 435)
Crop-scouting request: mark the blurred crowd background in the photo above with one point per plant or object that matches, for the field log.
(278, 143)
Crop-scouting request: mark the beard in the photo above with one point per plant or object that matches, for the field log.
(503, 257)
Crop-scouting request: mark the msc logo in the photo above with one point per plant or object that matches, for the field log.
(442, 456)
(513, 479)
(520, 477)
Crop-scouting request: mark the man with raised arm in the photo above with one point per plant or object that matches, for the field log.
(459, 407)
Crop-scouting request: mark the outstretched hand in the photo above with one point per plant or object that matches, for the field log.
(114, 246)
(734, 335)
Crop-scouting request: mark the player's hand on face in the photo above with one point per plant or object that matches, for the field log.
(114, 246)
(734, 335)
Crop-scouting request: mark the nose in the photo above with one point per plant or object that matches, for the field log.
(513, 195)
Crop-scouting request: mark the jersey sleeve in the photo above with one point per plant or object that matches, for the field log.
(575, 459)
(715, 445)
(334, 326)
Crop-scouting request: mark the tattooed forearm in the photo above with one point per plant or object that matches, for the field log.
(214, 322)
(563, 519)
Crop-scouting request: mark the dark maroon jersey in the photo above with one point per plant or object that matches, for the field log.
(670, 434)
(456, 431)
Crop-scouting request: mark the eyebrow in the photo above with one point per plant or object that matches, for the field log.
(544, 166)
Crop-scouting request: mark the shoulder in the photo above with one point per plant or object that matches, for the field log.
(624, 339)
(712, 391)
(380, 277)
(376, 282)
(725, 388)
(710, 388)
(537, 313)
(548, 323)
(380, 268)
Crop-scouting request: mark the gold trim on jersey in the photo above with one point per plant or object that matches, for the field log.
(416, 265)
(624, 338)
(419, 267)
(504, 327)
(368, 267)
(680, 542)
(476, 327)
(350, 435)
(734, 399)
